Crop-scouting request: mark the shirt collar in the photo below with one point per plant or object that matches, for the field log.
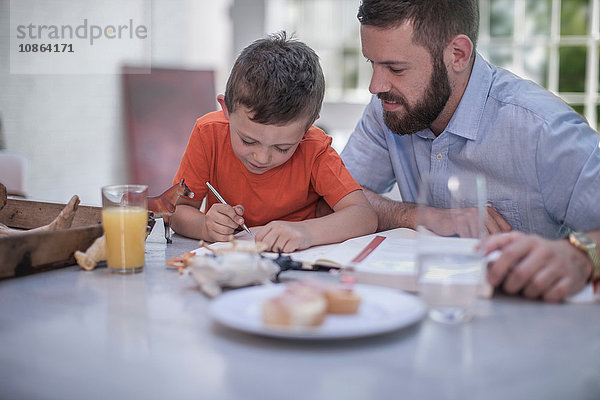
(466, 118)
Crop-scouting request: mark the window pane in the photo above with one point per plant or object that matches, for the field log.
(538, 17)
(573, 17)
(578, 108)
(501, 56)
(501, 17)
(536, 64)
(571, 76)
(351, 57)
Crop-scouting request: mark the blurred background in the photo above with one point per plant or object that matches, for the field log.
(80, 131)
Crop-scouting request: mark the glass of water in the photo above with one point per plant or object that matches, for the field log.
(450, 223)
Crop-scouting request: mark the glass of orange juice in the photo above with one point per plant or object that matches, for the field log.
(124, 219)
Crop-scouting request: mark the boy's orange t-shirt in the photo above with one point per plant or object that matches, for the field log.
(288, 192)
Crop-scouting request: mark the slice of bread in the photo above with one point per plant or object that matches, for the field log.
(296, 307)
(305, 303)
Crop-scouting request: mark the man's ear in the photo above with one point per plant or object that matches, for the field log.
(459, 52)
(221, 101)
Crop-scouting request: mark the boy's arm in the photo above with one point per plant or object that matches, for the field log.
(353, 216)
(188, 220)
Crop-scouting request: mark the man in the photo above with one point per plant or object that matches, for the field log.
(440, 108)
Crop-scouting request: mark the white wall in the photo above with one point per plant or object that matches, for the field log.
(70, 126)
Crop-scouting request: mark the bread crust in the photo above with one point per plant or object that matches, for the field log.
(306, 303)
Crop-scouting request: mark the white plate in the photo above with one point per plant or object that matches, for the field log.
(382, 310)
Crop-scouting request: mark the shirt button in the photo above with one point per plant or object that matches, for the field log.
(439, 156)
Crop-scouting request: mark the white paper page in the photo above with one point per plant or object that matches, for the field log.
(398, 233)
(341, 253)
(315, 253)
(391, 256)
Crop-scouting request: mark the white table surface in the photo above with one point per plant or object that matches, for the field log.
(71, 334)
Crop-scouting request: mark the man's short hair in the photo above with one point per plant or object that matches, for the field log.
(435, 22)
(279, 80)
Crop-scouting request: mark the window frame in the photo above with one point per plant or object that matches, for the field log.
(329, 42)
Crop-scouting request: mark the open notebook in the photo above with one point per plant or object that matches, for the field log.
(386, 258)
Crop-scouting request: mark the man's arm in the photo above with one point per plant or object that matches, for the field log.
(391, 214)
(538, 267)
(396, 214)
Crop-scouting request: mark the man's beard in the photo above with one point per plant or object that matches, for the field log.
(421, 116)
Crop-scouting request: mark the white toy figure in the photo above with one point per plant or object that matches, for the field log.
(231, 269)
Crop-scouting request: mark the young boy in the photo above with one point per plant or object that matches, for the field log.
(263, 156)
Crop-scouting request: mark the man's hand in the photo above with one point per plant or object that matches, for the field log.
(221, 221)
(284, 236)
(537, 267)
(462, 222)
(495, 223)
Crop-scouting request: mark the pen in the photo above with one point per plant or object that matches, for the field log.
(222, 201)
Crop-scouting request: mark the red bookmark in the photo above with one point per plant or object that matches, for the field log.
(369, 249)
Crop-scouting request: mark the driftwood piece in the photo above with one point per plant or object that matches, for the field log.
(64, 220)
(31, 250)
(28, 253)
(29, 214)
(3, 196)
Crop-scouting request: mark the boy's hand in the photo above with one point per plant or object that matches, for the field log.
(284, 236)
(221, 221)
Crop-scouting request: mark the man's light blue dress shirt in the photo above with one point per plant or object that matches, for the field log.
(540, 158)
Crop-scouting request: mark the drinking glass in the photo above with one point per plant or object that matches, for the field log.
(124, 219)
(450, 223)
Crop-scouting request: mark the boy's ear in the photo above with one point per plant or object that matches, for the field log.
(221, 101)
